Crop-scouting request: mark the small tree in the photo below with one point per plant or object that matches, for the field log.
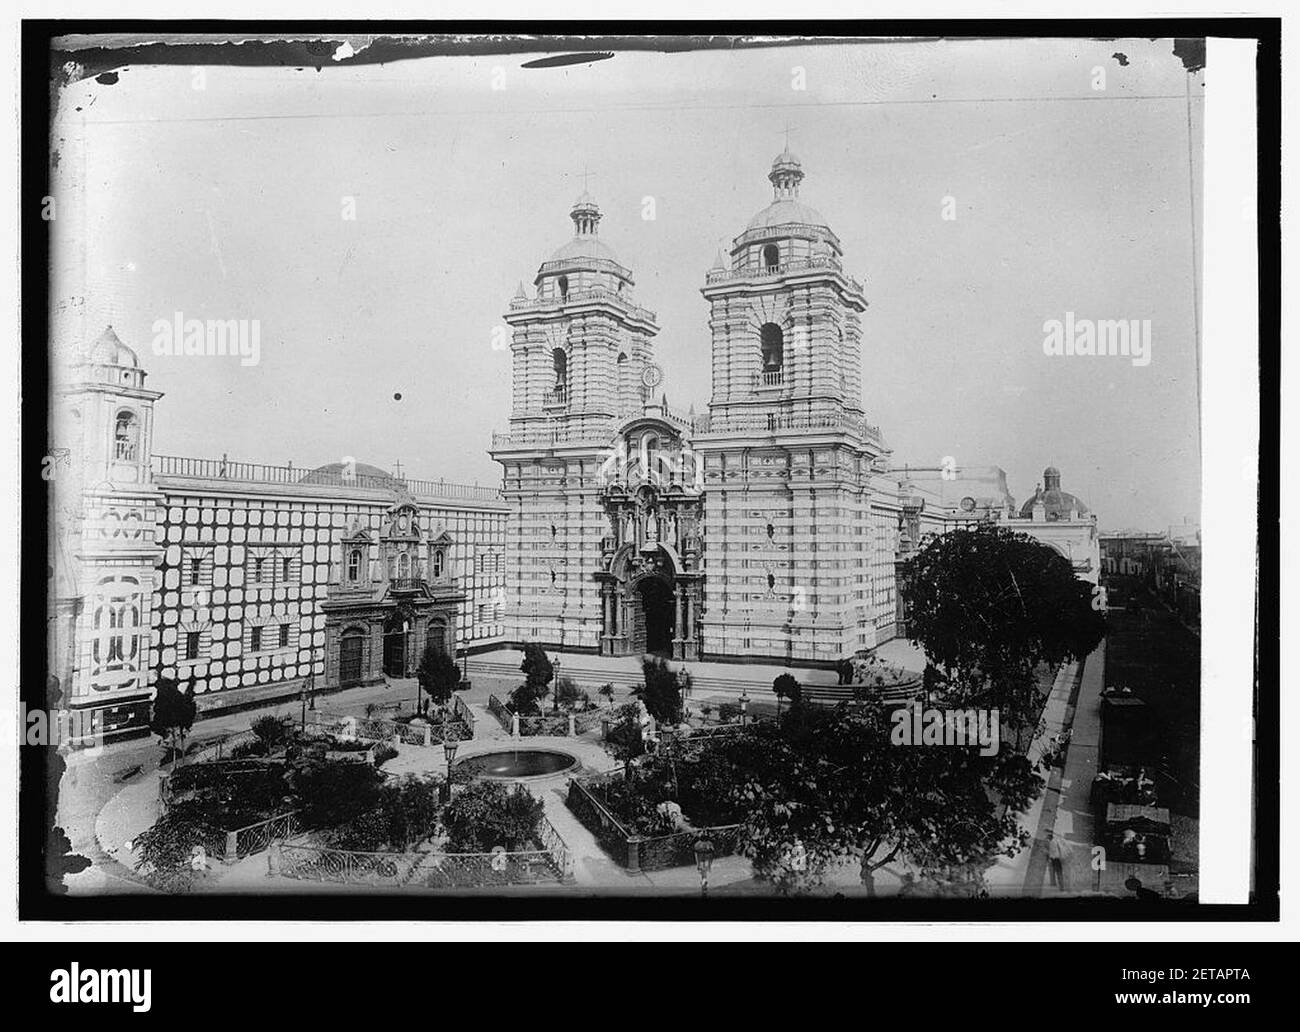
(606, 690)
(787, 687)
(538, 672)
(661, 692)
(173, 713)
(438, 675)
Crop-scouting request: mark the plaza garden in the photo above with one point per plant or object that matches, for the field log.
(800, 789)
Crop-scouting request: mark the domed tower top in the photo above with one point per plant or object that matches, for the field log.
(584, 263)
(786, 174)
(585, 215)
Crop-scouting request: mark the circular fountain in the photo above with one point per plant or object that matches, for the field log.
(517, 764)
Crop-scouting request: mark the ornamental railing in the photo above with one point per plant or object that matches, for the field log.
(290, 475)
(253, 838)
(499, 710)
(550, 863)
(575, 297)
(769, 424)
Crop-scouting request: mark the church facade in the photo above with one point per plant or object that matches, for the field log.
(768, 528)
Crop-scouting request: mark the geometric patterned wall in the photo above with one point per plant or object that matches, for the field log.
(241, 578)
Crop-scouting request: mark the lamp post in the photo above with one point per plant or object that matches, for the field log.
(449, 747)
(744, 708)
(703, 862)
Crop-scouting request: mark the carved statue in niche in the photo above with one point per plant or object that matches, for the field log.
(651, 526)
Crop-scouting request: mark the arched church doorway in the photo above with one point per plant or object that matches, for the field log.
(655, 607)
(397, 631)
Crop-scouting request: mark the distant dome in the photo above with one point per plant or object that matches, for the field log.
(108, 349)
(366, 475)
(1057, 504)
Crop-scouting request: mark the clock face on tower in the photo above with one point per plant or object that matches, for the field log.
(652, 376)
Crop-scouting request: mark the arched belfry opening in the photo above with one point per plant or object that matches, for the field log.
(771, 258)
(772, 344)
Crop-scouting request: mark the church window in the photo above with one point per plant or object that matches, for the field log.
(403, 565)
(284, 569)
(126, 433)
(560, 360)
(439, 562)
(284, 635)
(354, 564)
(773, 345)
(192, 645)
(255, 639)
(771, 258)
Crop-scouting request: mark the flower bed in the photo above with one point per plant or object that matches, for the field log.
(625, 820)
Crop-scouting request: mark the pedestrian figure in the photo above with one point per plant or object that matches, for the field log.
(1055, 861)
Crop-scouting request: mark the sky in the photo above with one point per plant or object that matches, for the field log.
(221, 193)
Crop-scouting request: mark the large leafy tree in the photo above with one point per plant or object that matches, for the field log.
(988, 605)
(824, 787)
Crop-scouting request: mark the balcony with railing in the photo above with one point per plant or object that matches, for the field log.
(769, 378)
(787, 268)
(557, 398)
(576, 297)
(407, 585)
(124, 451)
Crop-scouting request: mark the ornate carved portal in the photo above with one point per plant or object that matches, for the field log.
(651, 584)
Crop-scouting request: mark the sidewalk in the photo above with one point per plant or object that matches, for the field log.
(1067, 810)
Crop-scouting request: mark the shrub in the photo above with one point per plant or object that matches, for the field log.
(486, 814)
(404, 812)
(607, 691)
(383, 753)
(271, 732)
(248, 750)
(524, 700)
(336, 793)
(569, 695)
(165, 850)
(624, 741)
(729, 712)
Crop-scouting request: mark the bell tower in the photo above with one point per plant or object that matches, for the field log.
(582, 360)
(106, 515)
(799, 559)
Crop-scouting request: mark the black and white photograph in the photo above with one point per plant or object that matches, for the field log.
(702, 470)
